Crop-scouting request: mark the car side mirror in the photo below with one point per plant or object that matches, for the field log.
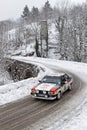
(40, 81)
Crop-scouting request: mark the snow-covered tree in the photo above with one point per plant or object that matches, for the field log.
(35, 14)
(47, 10)
(26, 14)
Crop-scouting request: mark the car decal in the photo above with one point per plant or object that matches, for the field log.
(45, 86)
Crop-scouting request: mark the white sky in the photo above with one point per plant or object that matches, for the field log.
(13, 8)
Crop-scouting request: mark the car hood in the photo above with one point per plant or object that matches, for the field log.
(45, 86)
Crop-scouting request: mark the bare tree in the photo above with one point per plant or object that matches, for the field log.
(3, 48)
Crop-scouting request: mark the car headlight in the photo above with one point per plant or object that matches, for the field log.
(33, 89)
(53, 90)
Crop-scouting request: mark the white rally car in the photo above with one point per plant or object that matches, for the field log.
(52, 86)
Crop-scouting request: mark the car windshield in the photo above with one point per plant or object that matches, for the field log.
(51, 79)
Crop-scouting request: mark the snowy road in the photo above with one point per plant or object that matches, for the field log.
(24, 113)
(32, 114)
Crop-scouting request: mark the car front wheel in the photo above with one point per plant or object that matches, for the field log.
(59, 95)
(70, 87)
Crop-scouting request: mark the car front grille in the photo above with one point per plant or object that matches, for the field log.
(42, 92)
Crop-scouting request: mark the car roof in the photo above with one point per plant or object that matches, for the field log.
(56, 74)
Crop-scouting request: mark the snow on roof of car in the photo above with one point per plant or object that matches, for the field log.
(56, 74)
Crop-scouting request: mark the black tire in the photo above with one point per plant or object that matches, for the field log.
(58, 96)
(70, 87)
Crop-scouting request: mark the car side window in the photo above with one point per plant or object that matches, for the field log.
(67, 77)
(63, 80)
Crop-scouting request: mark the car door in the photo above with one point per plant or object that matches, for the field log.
(63, 84)
(67, 78)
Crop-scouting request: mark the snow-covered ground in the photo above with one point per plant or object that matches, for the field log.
(5, 77)
(13, 91)
(26, 49)
(78, 118)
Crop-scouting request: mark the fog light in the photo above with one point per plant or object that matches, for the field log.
(35, 95)
(46, 96)
(37, 91)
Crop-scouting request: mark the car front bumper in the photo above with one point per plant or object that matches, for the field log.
(46, 97)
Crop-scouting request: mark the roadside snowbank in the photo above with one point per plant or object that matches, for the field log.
(14, 91)
(77, 68)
